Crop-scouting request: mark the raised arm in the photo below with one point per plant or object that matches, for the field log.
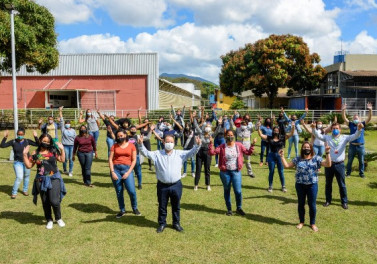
(308, 129)
(196, 127)
(304, 115)
(101, 115)
(146, 153)
(5, 144)
(316, 134)
(175, 122)
(327, 162)
(172, 110)
(344, 116)
(192, 152)
(115, 125)
(28, 164)
(292, 131)
(81, 119)
(287, 165)
(183, 111)
(369, 107)
(264, 137)
(355, 136)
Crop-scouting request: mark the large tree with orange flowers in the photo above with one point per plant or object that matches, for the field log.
(269, 64)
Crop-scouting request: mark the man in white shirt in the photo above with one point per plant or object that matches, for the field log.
(168, 164)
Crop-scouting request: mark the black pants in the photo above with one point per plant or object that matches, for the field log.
(147, 145)
(337, 170)
(164, 192)
(51, 198)
(203, 158)
(86, 160)
(179, 136)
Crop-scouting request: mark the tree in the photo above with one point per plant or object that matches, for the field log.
(36, 40)
(208, 89)
(237, 104)
(269, 64)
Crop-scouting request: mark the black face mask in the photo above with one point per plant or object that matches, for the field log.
(133, 133)
(121, 140)
(44, 145)
(268, 124)
(229, 139)
(306, 151)
(275, 134)
(82, 132)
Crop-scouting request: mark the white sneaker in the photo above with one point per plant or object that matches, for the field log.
(208, 188)
(70, 174)
(50, 225)
(61, 223)
(216, 165)
(183, 175)
(193, 174)
(195, 188)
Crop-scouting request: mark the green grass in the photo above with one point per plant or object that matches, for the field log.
(266, 235)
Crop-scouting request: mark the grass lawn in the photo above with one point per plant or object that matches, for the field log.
(267, 234)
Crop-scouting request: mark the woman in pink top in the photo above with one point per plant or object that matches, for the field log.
(230, 165)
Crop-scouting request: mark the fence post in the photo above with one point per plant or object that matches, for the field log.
(75, 116)
(31, 116)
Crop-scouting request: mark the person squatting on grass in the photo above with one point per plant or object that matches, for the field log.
(276, 143)
(18, 145)
(168, 164)
(122, 161)
(231, 162)
(337, 143)
(68, 139)
(48, 181)
(84, 146)
(307, 166)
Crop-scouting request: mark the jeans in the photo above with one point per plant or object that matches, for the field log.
(319, 150)
(120, 184)
(68, 150)
(21, 173)
(228, 179)
(95, 134)
(192, 165)
(218, 142)
(338, 171)
(264, 146)
(352, 152)
(137, 170)
(311, 192)
(160, 146)
(203, 158)
(110, 142)
(275, 159)
(164, 192)
(180, 136)
(293, 139)
(51, 198)
(86, 159)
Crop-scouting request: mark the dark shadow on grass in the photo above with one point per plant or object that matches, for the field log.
(253, 217)
(191, 187)
(254, 187)
(7, 189)
(23, 217)
(357, 203)
(95, 184)
(139, 221)
(92, 208)
(101, 160)
(373, 185)
(284, 200)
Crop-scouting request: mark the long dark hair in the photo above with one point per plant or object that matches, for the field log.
(302, 156)
(51, 147)
(266, 123)
(121, 131)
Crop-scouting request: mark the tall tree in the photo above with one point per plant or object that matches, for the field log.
(36, 40)
(269, 64)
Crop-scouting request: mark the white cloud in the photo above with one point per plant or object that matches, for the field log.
(363, 44)
(93, 44)
(363, 4)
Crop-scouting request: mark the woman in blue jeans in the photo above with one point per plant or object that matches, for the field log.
(230, 165)
(68, 138)
(307, 166)
(18, 145)
(276, 143)
(122, 161)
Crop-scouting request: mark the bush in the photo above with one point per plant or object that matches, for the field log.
(237, 104)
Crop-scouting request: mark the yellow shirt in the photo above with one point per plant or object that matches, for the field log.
(50, 128)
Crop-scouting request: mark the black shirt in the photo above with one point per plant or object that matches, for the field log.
(107, 123)
(275, 146)
(18, 147)
(46, 163)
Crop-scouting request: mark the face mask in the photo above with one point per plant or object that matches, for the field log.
(294, 119)
(44, 145)
(169, 127)
(275, 134)
(133, 133)
(280, 117)
(335, 132)
(82, 132)
(268, 123)
(319, 126)
(243, 127)
(237, 116)
(67, 125)
(50, 121)
(121, 140)
(225, 118)
(207, 129)
(356, 121)
(306, 151)
(229, 139)
(89, 114)
(20, 137)
(169, 146)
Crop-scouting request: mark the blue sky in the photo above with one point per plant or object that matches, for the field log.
(191, 35)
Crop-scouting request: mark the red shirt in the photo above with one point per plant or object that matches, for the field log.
(84, 144)
(123, 155)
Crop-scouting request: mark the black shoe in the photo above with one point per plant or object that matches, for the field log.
(120, 214)
(326, 204)
(240, 212)
(150, 168)
(161, 228)
(229, 213)
(136, 212)
(362, 176)
(252, 175)
(139, 187)
(178, 227)
(345, 206)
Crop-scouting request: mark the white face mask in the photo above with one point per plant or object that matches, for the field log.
(319, 126)
(243, 127)
(50, 121)
(169, 146)
(89, 114)
(207, 129)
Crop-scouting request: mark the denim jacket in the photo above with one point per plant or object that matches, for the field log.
(46, 185)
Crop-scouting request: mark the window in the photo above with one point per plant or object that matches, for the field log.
(59, 97)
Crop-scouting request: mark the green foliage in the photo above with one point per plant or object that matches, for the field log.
(326, 119)
(36, 40)
(269, 64)
(237, 104)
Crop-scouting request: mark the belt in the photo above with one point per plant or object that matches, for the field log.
(357, 144)
(168, 184)
(339, 162)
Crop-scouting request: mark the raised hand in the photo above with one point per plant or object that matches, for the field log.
(254, 141)
(282, 109)
(198, 140)
(369, 106)
(60, 145)
(327, 147)
(61, 108)
(26, 150)
(108, 128)
(6, 133)
(281, 153)
(140, 139)
(306, 110)
(153, 126)
(360, 126)
(40, 121)
(344, 106)
(313, 125)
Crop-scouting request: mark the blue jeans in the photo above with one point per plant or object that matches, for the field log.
(293, 139)
(275, 159)
(110, 142)
(336, 170)
(86, 159)
(160, 146)
(68, 150)
(264, 146)
(352, 152)
(120, 184)
(21, 173)
(192, 165)
(137, 170)
(95, 134)
(319, 150)
(218, 142)
(311, 192)
(228, 179)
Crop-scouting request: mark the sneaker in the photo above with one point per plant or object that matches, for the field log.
(240, 211)
(283, 189)
(269, 189)
(193, 174)
(252, 175)
(120, 214)
(208, 188)
(183, 175)
(348, 175)
(65, 172)
(195, 188)
(13, 196)
(60, 223)
(139, 187)
(362, 176)
(150, 168)
(229, 213)
(216, 165)
(136, 212)
(70, 174)
(25, 193)
(50, 225)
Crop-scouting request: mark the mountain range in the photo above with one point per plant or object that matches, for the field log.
(174, 76)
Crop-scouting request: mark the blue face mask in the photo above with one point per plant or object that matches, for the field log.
(20, 137)
(67, 125)
(335, 132)
(356, 121)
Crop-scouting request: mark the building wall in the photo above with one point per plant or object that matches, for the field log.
(364, 62)
(224, 102)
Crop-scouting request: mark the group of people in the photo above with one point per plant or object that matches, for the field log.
(201, 136)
